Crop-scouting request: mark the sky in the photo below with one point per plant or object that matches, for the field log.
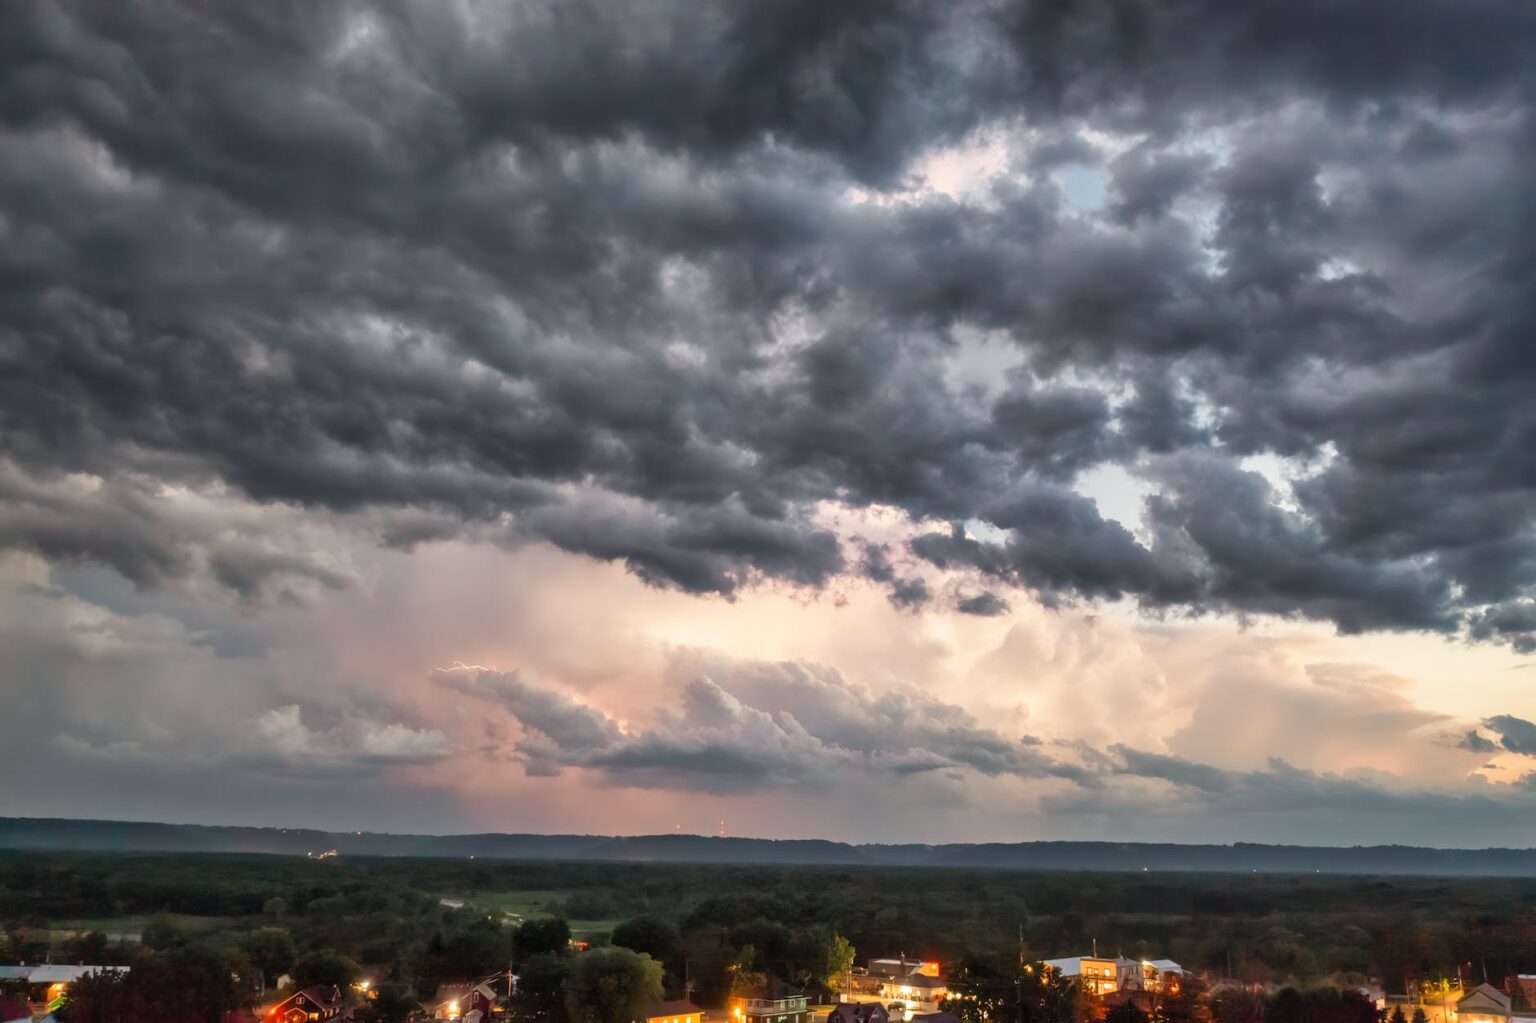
(883, 422)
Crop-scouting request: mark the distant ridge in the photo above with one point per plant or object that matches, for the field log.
(40, 833)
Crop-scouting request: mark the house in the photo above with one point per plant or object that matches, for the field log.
(906, 984)
(1097, 975)
(1102, 976)
(859, 1012)
(676, 1011)
(48, 984)
(901, 967)
(914, 990)
(475, 1000)
(1152, 975)
(467, 1000)
(1483, 1004)
(320, 1002)
(775, 1003)
(15, 1009)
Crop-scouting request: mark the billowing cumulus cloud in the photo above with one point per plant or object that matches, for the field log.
(768, 724)
(803, 727)
(280, 738)
(1015, 312)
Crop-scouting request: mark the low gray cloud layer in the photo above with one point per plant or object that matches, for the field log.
(604, 277)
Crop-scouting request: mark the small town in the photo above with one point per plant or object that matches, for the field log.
(1082, 988)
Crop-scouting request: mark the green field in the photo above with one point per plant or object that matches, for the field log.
(521, 905)
(128, 928)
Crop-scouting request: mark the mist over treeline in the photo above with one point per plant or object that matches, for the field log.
(110, 836)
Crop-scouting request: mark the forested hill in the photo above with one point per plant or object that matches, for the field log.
(86, 835)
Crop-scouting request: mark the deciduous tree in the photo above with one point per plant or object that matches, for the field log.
(611, 985)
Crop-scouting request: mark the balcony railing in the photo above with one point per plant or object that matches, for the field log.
(766, 1005)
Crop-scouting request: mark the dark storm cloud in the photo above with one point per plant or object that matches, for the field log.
(984, 605)
(152, 542)
(906, 592)
(1475, 742)
(1146, 184)
(596, 275)
(1173, 769)
(1514, 622)
(1515, 734)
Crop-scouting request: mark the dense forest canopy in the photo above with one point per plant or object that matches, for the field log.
(429, 921)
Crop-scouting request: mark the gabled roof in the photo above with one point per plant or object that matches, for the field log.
(326, 996)
(894, 967)
(1485, 994)
(1072, 966)
(460, 990)
(62, 974)
(676, 1007)
(860, 1011)
(454, 991)
(49, 973)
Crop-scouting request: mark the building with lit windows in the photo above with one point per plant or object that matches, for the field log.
(1104, 975)
(472, 1001)
(321, 1003)
(775, 1003)
(916, 991)
(1098, 976)
(47, 984)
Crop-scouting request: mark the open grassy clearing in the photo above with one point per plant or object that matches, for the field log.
(521, 905)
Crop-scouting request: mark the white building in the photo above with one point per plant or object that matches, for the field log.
(1102, 975)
